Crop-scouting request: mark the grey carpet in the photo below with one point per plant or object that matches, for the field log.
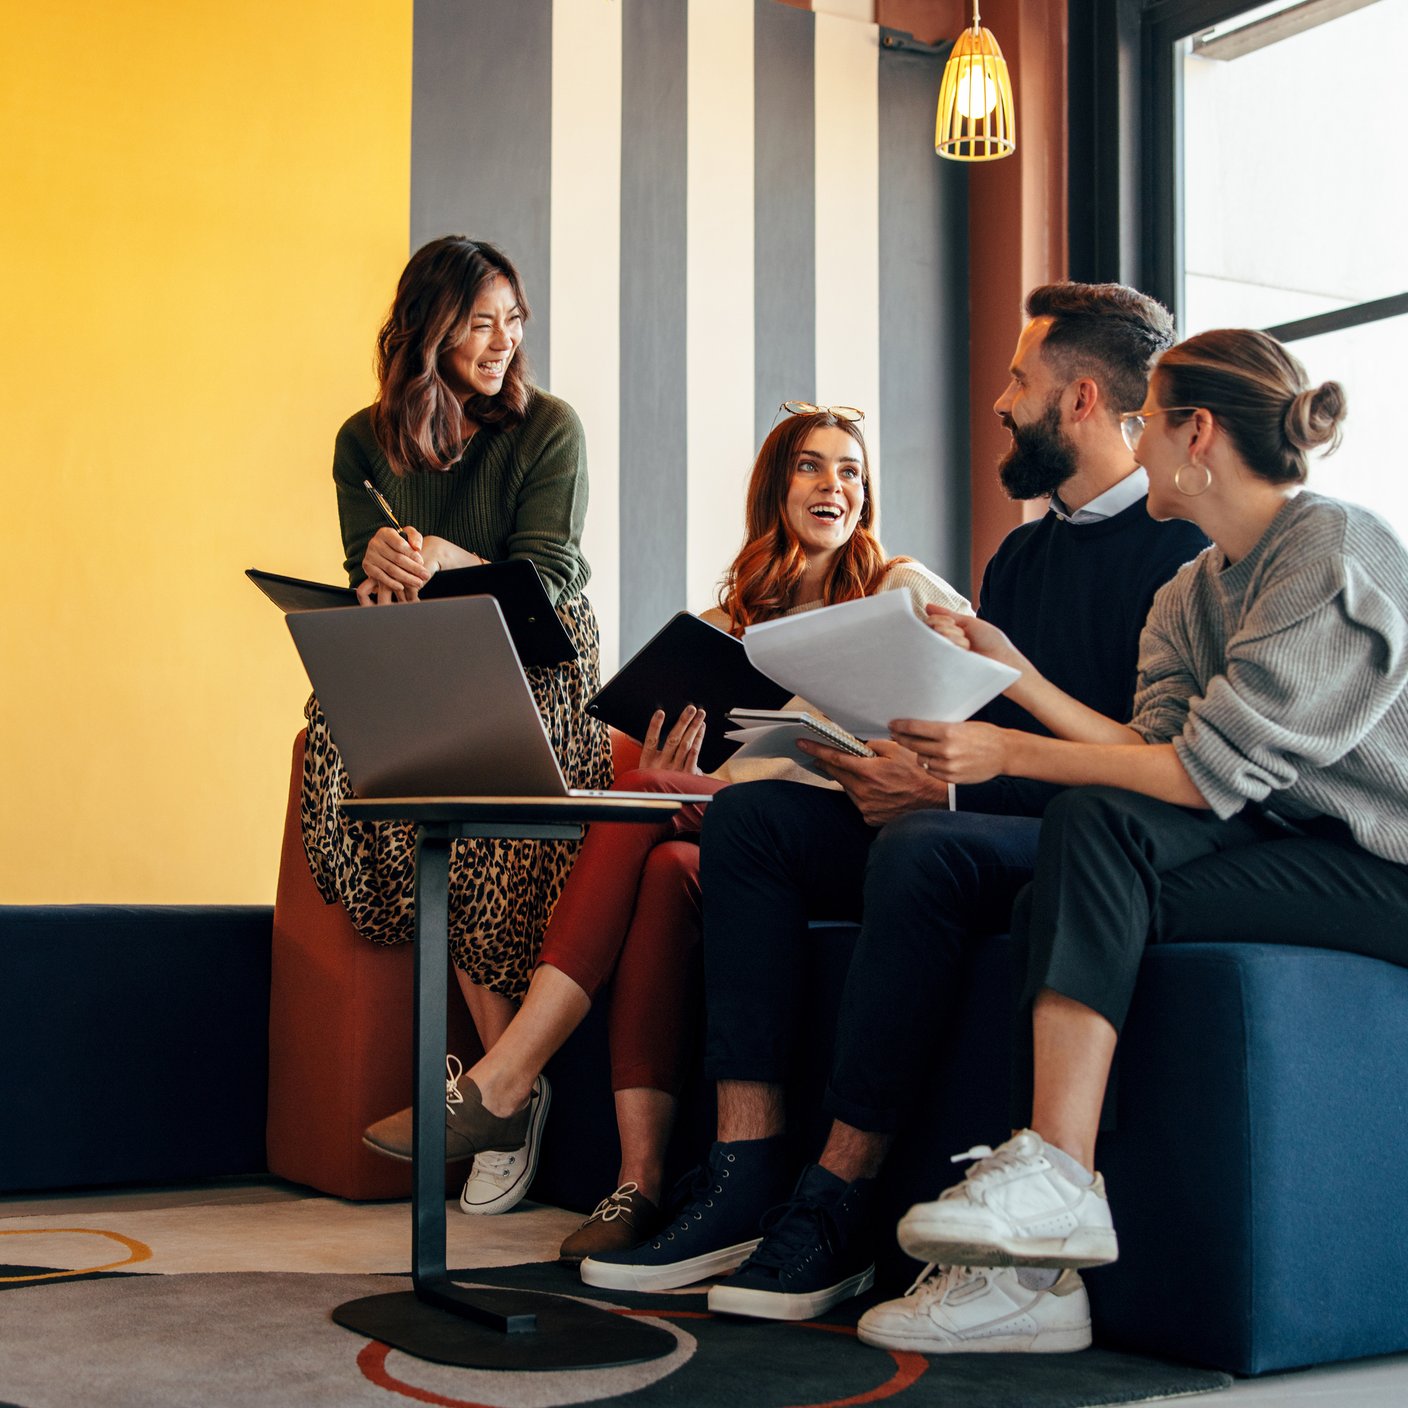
(244, 1340)
(252, 1340)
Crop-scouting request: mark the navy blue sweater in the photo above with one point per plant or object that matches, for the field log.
(1073, 599)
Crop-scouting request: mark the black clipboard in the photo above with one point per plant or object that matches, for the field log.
(294, 594)
(687, 661)
(537, 631)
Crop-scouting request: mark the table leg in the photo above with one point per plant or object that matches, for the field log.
(428, 1274)
(529, 1329)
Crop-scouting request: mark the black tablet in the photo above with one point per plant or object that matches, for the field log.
(294, 594)
(537, 631)
(538, 634)
(687, 661)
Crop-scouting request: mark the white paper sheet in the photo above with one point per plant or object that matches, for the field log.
(866, 662)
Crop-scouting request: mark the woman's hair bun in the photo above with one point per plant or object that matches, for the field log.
(1313, 417)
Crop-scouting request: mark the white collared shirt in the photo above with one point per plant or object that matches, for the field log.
(1115, 499)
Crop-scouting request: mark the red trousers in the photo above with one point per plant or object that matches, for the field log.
(630, 909)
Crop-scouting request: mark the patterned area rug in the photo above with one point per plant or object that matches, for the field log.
(111, 1334)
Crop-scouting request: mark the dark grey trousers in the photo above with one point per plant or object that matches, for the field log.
(1116, 871)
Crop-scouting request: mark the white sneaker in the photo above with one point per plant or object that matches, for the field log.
(498, 1181)
(1013, 1208)
(981, 1310)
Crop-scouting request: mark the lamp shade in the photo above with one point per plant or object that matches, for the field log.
(975, 119)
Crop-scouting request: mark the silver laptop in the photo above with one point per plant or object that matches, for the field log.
(429, 700)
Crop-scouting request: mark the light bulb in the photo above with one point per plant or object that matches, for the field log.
(977, 93)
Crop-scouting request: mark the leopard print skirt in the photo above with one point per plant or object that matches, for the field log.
(501, 892)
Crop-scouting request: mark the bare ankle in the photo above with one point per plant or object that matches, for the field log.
(500, 1095)
(1073, 1145)
(852, 1153)
(750, 1109)
(649, 1181)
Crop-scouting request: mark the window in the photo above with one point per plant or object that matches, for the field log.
(1293, 197)
(1290, 120)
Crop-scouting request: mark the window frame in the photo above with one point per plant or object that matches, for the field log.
(1125, 174)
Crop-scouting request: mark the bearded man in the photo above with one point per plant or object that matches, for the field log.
(928, 870)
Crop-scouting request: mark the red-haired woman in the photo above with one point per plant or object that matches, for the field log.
(479, 465)
(629, 912)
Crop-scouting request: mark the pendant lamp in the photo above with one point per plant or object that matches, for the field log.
(975, 121)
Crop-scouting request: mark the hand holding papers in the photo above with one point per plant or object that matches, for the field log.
(869, 661)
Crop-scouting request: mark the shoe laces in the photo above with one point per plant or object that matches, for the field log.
(616, 1204)
(991, 1163)
(454, 1069)
(696, 1186)
(935, 1282)
(496, 1164)
(794, 1228)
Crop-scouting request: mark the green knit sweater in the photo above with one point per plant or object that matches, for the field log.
(513, 493)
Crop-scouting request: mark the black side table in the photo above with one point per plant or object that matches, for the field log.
(440, 1319)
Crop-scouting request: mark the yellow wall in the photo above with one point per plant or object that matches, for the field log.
(205, 211)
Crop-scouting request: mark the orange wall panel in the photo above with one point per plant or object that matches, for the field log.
(1016, 238)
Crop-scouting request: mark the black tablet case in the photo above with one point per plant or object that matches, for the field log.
(687, 661)
(536, 629)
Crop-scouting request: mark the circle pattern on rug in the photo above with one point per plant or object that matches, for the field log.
(136, 1251)
(372, 1361)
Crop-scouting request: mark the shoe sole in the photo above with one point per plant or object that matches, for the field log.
(519, 1191)
(778, 1305)
(618, 1276)
(930, 1239)
(1067, 1341)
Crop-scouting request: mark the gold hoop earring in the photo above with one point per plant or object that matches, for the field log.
(1192, 493)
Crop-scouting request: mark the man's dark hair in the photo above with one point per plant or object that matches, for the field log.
(1107, 332)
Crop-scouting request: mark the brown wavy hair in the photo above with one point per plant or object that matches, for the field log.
(763, 579)
(1108, 332)
(419, 422)
(1260, 395)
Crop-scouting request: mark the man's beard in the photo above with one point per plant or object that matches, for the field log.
(1041, 458)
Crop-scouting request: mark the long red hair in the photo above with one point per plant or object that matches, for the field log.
(762, 580)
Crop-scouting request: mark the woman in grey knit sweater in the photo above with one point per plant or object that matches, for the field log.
(1259, 794)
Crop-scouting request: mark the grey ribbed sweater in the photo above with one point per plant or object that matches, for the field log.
(1284, 677)
(513, 493)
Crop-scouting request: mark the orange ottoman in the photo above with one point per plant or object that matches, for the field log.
(339, 1035)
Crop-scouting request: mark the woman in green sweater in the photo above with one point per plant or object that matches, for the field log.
(479, 465)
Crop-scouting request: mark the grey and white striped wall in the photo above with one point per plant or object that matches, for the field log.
(716, 205)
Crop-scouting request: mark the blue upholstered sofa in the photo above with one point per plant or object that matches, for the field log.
(134, 1043)
(1258, 1170)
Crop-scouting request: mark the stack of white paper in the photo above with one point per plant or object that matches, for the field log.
(868, 661)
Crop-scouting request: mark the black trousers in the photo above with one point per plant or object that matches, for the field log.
(927, 888)
(1116, 870)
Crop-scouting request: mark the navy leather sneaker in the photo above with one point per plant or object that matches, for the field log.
(815, 1253)
(715, 1223)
